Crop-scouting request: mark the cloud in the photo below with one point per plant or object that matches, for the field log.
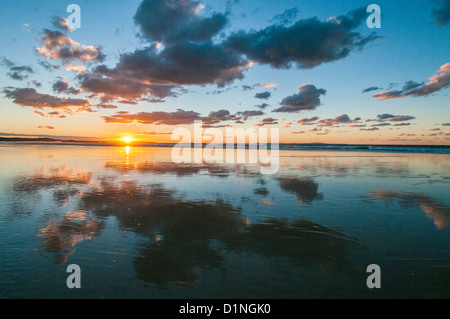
(435, 83)
(153, 133)
(171, 21)
(262, 106)
(249, 87)
(16, 72)
(381, 124)
(151, 72)
(186, 46)
(49, 127)
(181, 117)
(48, 66)
(157, 118)
(441, 12)
(391, 118)
(402, 124)
(437, 211)
(286, 17)
(394, 118)
(308, 121)
(215, 117)
(263, 95)
(246, 114)
(62, 24)
(385, 116)
(341, 119)
(31, 98)
(372, 88)
(306, 43)
(78, 68)
(118, 87)
(63, 87)
(37, 84)
(267, 121)
(106, 106)
(269, 85)
(401, 118)
(58, 46)
(307, 99)
(305, 189)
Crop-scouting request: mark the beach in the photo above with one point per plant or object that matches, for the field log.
(140, 226)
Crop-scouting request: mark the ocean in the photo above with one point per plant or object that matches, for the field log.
(139, 225)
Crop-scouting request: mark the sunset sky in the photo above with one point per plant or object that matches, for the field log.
(143, 68)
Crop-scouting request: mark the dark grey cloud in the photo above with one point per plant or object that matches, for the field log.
(183, 48)
(48, 66)
(175, 66)
(370, 89)
(170, 21)
(215, 117)
(411, 88)
(340, 119)
(181, 117)
(305, 189)
(262, 106)
(381, 124)
(401, 118)
(127, 89)
(370, 129)
(287, 17)
(307, 43)
(249, 87)
(178, 117)
(16, 72)
(394, 118)
(267, 121)
(385, 116)
(31, 98)
(61, 86)
(441, 12)
(307, 99)
(247, 114)
(37, 84)
(308, 121)
(402, 124)
(263, 95)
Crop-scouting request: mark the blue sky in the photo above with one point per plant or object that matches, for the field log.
(410, 46)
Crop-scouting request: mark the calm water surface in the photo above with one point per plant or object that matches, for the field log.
(140, 226)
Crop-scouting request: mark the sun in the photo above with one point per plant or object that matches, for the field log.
(127, 139)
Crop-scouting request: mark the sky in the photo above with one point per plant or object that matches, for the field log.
(312, 69)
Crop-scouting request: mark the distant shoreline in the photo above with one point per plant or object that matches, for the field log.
(282, 146)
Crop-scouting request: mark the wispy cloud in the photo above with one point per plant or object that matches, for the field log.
(415, 89)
